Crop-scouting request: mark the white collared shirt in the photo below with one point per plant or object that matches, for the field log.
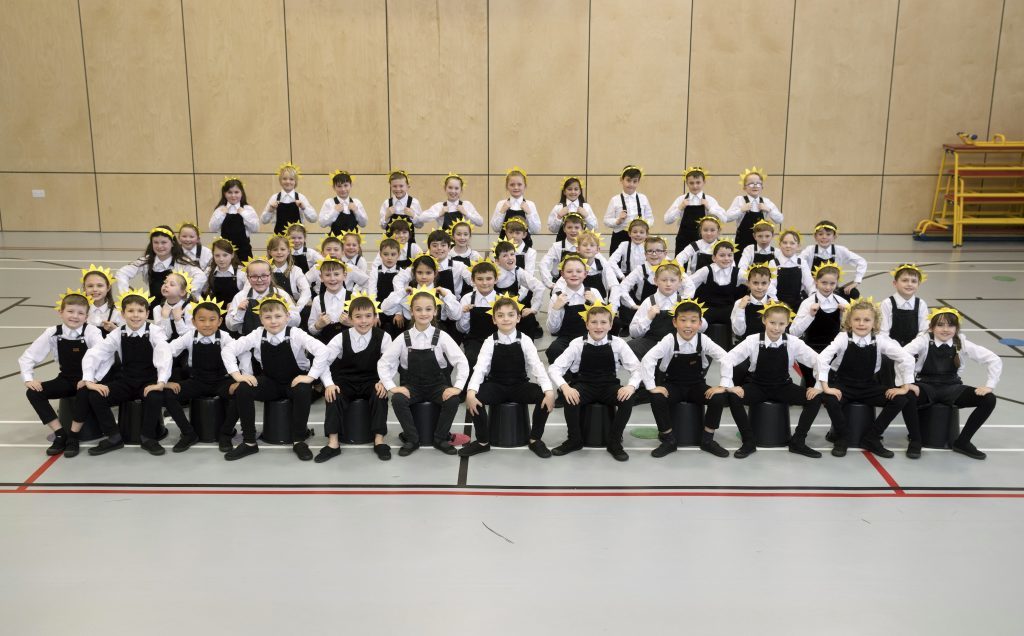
(46, 345)
(300, 341)
(660, 356)
(571, 357)
(334, 302)
(918, 348)
(306, 212)
(901, 303)
(675, 212)
(641, 323)
(437, 211)
(827, 304)
(615, 207)
(843, 257)
(250, 219)
(446, 352)
(521, 203)
(474, 299)
(328, 214)
(99, 359)
(335, 349)
(575, 297)
(833, 355)
(534, 367)
(747, 349)
(589, 218)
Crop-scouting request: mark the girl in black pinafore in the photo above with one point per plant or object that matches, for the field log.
(234, 219)
(222, 277)
(793, 277)
(162, 248)
(818, 320)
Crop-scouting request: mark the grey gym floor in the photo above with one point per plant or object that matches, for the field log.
(505, 542)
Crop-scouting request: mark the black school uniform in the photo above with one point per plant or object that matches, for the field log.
(207, 378)
(720, 298)
(301, 260)
(789, 286)
(573, 326)
(638, 294)
(136, 373)
(355, 374)
(481, 327)
(385, 285)
(346, 221)
(404, 260)
(528, 324)
(903, 330)
(745, 228)
(287, 213)
(507, 381)
(597, 383)
(618, 236)
(426, 381)
(405, 217)
(70, 352)
(689, 230)
(233, 229)
(820, 333)
(224, 288)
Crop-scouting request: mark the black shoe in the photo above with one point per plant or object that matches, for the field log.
(240, 451)
(745, 451)
(445, 447)
(540, 449)
(713, 447)
(839, 449)
(800, 448)
(326, 453)
(57, 447)
(152, 447)
(71, 447)
(967, 448)
(407, 449)
(224, 443)
(663, 449)
(383, 452)
(105, 446)
(301, 450)
(913, 451)
(830, 436)
(185, 443)
(473, 448)
(618, 453)
(875, 446)
(402, 438)
(565, 448)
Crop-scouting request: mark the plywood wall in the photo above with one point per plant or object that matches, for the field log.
(129, 113)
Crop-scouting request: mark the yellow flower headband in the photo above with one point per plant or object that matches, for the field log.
(516, 170)
(185, 277)
(424, 256)
(824, 225)
(768, 266)
(863, 300)
(335, 237)
(575, 216)
(401, 172)
(667, 263)
(589, 308)
(453, 175)
(790, 230)
(431, 291)
(763, 223)
(716, 244)
(587, 232)
(571, 256)
(717, 220)
(72, 292)
(229, 242)
(105, 272)
(568, 179)
(356, 233)
(396, 219)
(921, 276)
(944, 310)
(514, 299)
(622, 174)
(337, 172)
(698, 169)
(640, 220)
(348, 303)
(772, 303)
(209, 301)
(514, 219)
(477, 263)
(141, 293)
(752, 170)
(272, 298)
(256, 259)
(289, 166)
(331, 259)
(826, 264)
(185, 224)
(226, 179)
(688, 301)
(169, 233)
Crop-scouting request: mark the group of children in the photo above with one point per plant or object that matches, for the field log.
(451, 324)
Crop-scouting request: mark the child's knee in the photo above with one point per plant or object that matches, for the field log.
(400, 400)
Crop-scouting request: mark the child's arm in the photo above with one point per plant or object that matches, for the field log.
(161, 357)
(831, 357)
(554, 221)
(457, 359)
(35, 354)
(470, 212)
(534, 366)
(628, 284)
(738, 354)
(530, 260)
(738, 318)
(98, 360)
(859, 262)
(307, 209)
(922, 317)
(629, 361)
(804, 317)
(698, 277)
(617, 258)
(233, 350)
(805, 276)
(713, 208)
(236, 312)
(387, 366)
(483, 366)
(564, 362)
(589, 216)
(530, 282)
(548, 264)
(805, 355)
(688, 289)
(498, 218)
(300, 283)
(649, 363)
(310, 345)
(393, 302)
(384, 214)
(993, 364)
(433, 213)
(125, 274)
(269, 210)
(736, 211)
(462, 322)
(745, 260)
(359, 213)
(903, 360)
(328, 212)
(642, 320)
(885, 317)
(181, 343)
(918, 350)
(532, 217)
(358, 277)
(416, 212)
(773, 212)
(675, 211)
(556, 311)
(322, 361)
(611, 215)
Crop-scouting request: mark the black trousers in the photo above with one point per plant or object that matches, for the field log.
(403, 412)
(268, 390)
(872, 395)
(334, 413)
(557, 347)
(787, 393)
(640, 346)
(983, 406)
(54, 389)
(191, 389)
(491, 393)
(661, 406)
(124, 391)
(598, 394)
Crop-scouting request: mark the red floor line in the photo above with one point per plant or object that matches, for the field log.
(39, 473)
(884, 473)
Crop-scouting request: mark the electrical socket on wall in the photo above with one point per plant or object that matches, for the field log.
(39, 194)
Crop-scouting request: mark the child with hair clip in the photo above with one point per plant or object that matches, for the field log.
(145, 367)
(751, 207)
(692, 206)
(381, 283)
(333, 247)
(287, 276)
(502, 374)
(192, 246)
(601, 274)
(352, 255)
(259, 284)
(174, 314)
(674, 371)
(846, 371)
(771, 355)
(762, 250)
(425, 356)
(287, 206)
(224, 277)
(904, 314)
(342, 213)
(818, 319)
(630, 254)
(234, 219)
(97, 282)
(826, 250)
(571, 202)
(516, 281)
(400, 206)
(652, 320)
(746, 313)
(595, 360)
(446, 213)
(327, 317)
(569, 298)
(303, 257)
(626, 206)
(476, 321)
(462, 252)
(942, 353)
(281, 352)
(718, 284)
(793, 276)
(348, 369)
(66, 343)
(697, 254)
(514, 231)
(571, 226)
(639, 284)
(163, 254)
(407, 250)
(425, 274)
(202, 345)
(516, 206)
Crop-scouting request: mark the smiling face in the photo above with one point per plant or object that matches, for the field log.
(279, 253)
(574, 272)
(453, 189)
(789, 245)
(862, 321)
(134, 313)
(515, 185)
(824, 237)
(758, 285)
(333, 279)
(598, 324)
(826, 284)
(439, 249)
(944, 328)
(630, 184)
(723, 256)
(287, 179)
(638, 233)
(484, 282)
(424, 308)
(709, 231)
(399, 188)
(233, 195)
(753, 185)
(654, 251)
(363, 319)
(273, 317)
(572, 229)
(775, 323)
(572, 191)
(687, 323)
(206, 321)
(907, 284)
(507, 260)
(506, 318)
(343, 189)
(425, 275)
(161, 245)
(222, 259)
(96, 286)
(461, 235)
(297, 238)
(402, 236)
(74, 315)
(188, 237)
(258, 275)
(350, 246)
(588, 248)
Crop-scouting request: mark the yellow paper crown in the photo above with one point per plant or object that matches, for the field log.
(257, 259)
(226, 179)
(454, 175)
(396, 219)
(944, 310)
(162, 230)
(288, 228)
(590, 232)
(723, 241)
(105, 272)
(229, 241)
(185, 276)
(772, 303)
(425, 256)
(569, 178)
(688, 301)
(825, 225)
(474, 264)
(666, 263)
(790, 230)
(331, 259)
(631, 167)
(590, 308)
(641, 220)
(356, 233)
(286, 166)
(272, 298)
(574, 215)
(515, 219)
(184, 224)
(768, 266)
(141, 293)
(514, 299)
(765, 223)
(335, 236)
(814, 272)
(432, 291)
(354, 295)
(401, 172)
(753, 170)
(518, 170)
(700, 169)
(571, 256)
(717, 220)
(210, 301)
(921, 276)
(869, 300)
(344, 172)
(72, 292)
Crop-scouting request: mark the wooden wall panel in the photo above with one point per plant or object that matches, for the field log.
(45, 122)
(237, 85)
(337, 75)
(438, 85)
(122, 209)
(69, 204)
(135, 58)
(637, 110)
(839, 95)
(850, 202)
(942, 79)
(739, 78)
(538, 86)
(1008, 97)
(905, 201)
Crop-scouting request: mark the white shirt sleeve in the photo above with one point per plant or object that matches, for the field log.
(36, 353)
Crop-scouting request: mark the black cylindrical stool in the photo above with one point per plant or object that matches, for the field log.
(721, 333)
(90, 428)
(206, 415)
(509, 424)
(687, 423)
(859, 418)
(355, 422)
(771, 424)
(595, 421)
(940, 425)
(277, 416)
(425, 416)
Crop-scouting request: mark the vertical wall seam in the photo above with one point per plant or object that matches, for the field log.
(88, 110)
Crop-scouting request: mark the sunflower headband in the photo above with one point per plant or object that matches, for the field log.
(716, 220)
(211, 303)
(430, 291)
(256, 259)
(514, 221)
(688, 302)
(331, 259)
(921, 276)
(597, 305)
(944, 310)
(576, 216)
(587, 232)
(454, 175)
(356, 233)
(772, 304)
(826, 265)
(667, 263)
(516, 170)
(423, 257)
(288, 228)
(289, 166)
(98, 269)
(825, 225)
(765, 266)
(234, 248)
(398, 172)
(568, 179)
(640, 220)
(272, 298)
(373, 301)
(397, 219)
(790, 230)
(185, 277)
(752, 170)
(507, 296)
(696, 170)
(863, 302)
(763, 224)
(228, 179)
(342, 172)
(477, 263)
(185, 224)
(622, 175)
(720, 242)
(72, 292)
(336, 238)
(169, 233)
(138, 293)
(571, 256)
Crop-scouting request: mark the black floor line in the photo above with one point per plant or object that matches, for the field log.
(14, 346)
(16, 303)
(11, 375)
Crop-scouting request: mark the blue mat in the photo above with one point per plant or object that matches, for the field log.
(1012, 342)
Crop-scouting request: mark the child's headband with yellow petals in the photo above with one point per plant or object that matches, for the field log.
(331, 259)
(508, 296)
(698, 170)
(921, 276)
(768, 266)
(401, 172)
(667, 263)
(598, 305)
(944, 310)
(753, 170)
(517, 220)
(716, 220)
(827, 264)
(477, 263)
(720, 242)
(356, 233)
(185, 277)
(354, 295)
(227, 179)
(826, 226)
(185, 224)
(211, 302)
(566, 180)
(587, 232)
(72, 292)
(272, 298)
(772, 303)
(396, 219)
(425, 256)
(622, 175)
(763, 224)
(140, 293)
(256, 259)
(234, 247)
(342, 172)
(863, 300)
(793, 231)
(688, 301)
(169, 233)
(571, 256)
(289, 166)
(430, 291)
(336, 238)
(575, 216)
(454, 175)
(516, 170)
(105, 272)
(639, 220)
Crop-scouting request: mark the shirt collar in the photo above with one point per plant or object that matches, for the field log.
(416, 334)
(507, 338)
(141, 331)
(166, 263)
(602, 341)
(683, 342)
(903, 303)
(862, 341)
(943, 343)
(768, 342)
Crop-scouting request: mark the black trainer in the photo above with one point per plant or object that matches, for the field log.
(105, 446)
(801, 448)
(913, 450)
(326, 453)
(224, 443)
(58, 445)
(473, 448)
(383, 452)
(152, 447)
(240, 451)
(875, 446)
(565, 448)
(713, 447)
(540, 449)
(301, 450)
(839, 449)
(618, 453)
(967, 448)
(407, 449)
(71, 447)
(664, 448)
(445, 447)
(744, 451)
(185, 443)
